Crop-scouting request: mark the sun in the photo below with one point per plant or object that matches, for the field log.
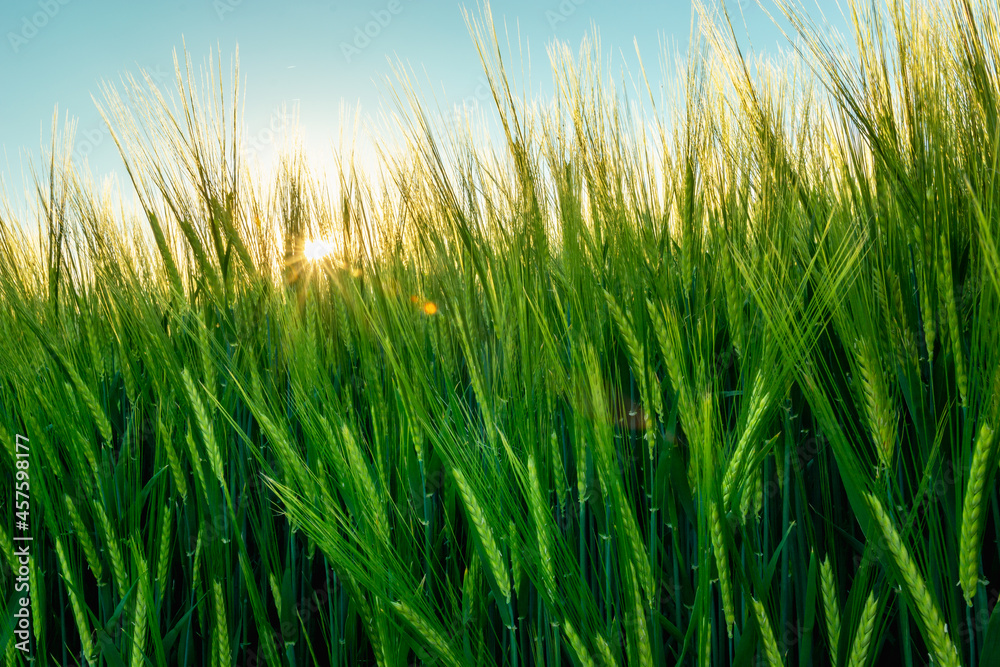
(317, 249)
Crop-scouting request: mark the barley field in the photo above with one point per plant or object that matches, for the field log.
(707, 377)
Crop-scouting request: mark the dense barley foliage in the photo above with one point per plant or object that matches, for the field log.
(712, 383)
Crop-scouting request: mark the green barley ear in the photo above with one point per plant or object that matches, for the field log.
(734, 303)
(493, 556)
(512, 548)
(927, 312)
(937, 635)
(577, 645)
(540, 515)
(667, 331)
(79, 613)
(111, 543)
(558, 472)
(759, 402)
(362, 475)
(469, 583)
(831, 608)
(947, 288)
(604, 651)
(95, 409)
(221, 625)
(430, 634)
(83, 536)
(878, 401)
(722, 564)
(164, 438)
(581, 464)
(208, 366)
(7, 546)
(972, 513)
(142, 605)
(649, 389)
(863, 634)
(163, 557)
(767, 635)
(752, 500)
(642, 632)
(204, 422)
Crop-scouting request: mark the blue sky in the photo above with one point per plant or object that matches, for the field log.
(314, 55)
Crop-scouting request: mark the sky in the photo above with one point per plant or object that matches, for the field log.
(316, 57)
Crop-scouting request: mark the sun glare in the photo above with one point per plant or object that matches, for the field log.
(316, 250)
